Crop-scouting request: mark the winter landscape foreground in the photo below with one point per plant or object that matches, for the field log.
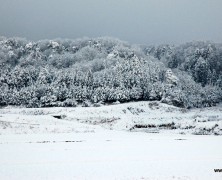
(138, 140)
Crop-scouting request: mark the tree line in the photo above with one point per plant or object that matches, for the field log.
(96, 71)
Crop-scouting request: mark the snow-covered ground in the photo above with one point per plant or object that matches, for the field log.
(110, 155)
(140, 140)
(152, 117)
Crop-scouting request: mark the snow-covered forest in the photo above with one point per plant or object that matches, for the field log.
(95, 71)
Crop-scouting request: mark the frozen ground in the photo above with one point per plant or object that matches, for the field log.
(152, 117)
(139, 140)
(110, 155)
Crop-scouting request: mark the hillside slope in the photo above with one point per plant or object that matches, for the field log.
(66, 73)
(150, 117)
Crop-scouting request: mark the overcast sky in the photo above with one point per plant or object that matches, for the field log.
(135, 21)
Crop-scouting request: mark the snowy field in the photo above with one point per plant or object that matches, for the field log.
(110, 155)
(150, 117)
(141, 140)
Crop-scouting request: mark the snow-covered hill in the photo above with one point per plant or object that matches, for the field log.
(151, 117)
(66, 73)
(104, 142)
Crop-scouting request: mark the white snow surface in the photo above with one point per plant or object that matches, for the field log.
(157, 116)
(139, 140)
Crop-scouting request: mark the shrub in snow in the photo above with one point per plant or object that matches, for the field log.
(116, 102)
(69, 103)
(48, 101)
(99, 104)
(86, 104)
(34, 103)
